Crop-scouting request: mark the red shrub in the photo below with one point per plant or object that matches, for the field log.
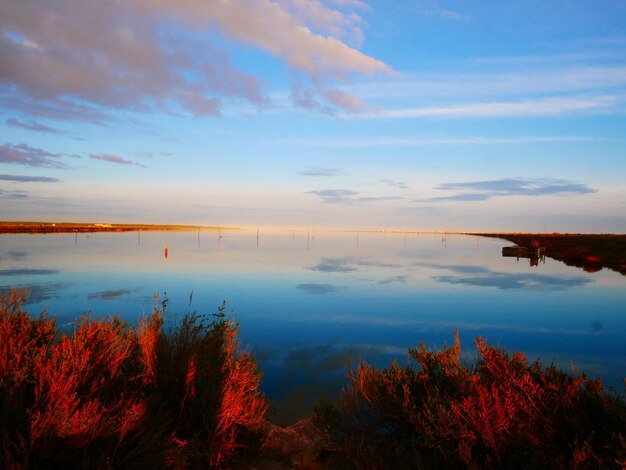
(501, 413)
(107, 395)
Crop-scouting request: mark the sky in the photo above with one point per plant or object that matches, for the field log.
(354, 114)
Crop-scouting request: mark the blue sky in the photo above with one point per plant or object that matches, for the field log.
(431, 115)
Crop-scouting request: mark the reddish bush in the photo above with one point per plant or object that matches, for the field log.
(502, 413)
(111, 396)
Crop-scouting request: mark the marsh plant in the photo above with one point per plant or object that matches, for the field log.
(106, 395)
(502, 412)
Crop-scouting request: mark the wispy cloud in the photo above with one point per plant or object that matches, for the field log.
(319, 171)
(113, 159)
(554, 106)
(541, 76)
(484, 190)
(24, 154)
(347, 196)
(393, 279)
(32, 126)
(29, 179)
(467, 197)
(394, 141)
(446, 14)
(16, 194)
(336, 196)
(395, 184)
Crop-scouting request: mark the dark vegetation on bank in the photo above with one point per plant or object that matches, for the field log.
(111, 396)
(72, 227)
(589, 252)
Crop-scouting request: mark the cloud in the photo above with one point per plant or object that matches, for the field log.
(347, 196)
(149, 154)
(541, 76)
(345, 101)
(32, 126)
(64, 59)
(323, 19)
(391, 141)
(396, 184)
(390, 280)
(516, 186)
(485, 190)
(446, 14)
(17, 194)
(318, 289)
(23, 154)
(112, 159)
(61, 109)
(467, 197)
(552, 106)
(319, 171)
(29, 179)
(336, 196)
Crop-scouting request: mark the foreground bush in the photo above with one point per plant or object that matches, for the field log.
(110, 396)
(502, 413)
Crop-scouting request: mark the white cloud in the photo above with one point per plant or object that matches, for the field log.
(139, 54)
(393, 141)
(553, 106)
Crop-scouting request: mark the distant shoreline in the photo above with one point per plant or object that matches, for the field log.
(7, 227)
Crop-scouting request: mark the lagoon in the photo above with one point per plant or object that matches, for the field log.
(311, 304)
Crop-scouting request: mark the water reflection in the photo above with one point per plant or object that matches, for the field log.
(318, 289)
(108, 294)
(483, 277)
(39, 293)
(312, 302)
(26, 272)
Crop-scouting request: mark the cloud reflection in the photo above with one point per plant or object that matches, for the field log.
(482, 277)
(38, 293)
(26, 272)
(346, 265)
(298, 379)
(108, 294)
(318, 289)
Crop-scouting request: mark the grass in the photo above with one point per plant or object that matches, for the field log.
(110, 396)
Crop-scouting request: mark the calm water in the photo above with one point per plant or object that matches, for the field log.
(310, 307)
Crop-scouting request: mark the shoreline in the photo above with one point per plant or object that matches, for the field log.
(9, 227)
(590, 252)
